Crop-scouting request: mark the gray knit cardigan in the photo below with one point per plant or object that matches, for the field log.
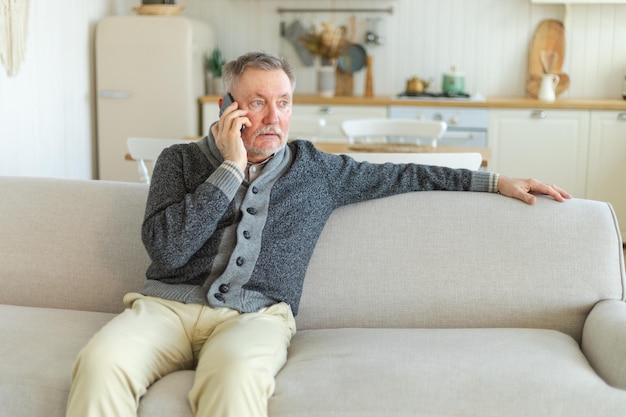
(215, 239)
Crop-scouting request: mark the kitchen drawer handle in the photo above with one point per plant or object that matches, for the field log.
(538, 114)
(459, 135)
(621, 116)
(326, 110)
(113, 94)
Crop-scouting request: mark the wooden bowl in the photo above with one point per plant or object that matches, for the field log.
(158, 9)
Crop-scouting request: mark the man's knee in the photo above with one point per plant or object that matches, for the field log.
(100, 361)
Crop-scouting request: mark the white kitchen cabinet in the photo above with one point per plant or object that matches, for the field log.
(607, 161)
(550, 145)
(334, 115)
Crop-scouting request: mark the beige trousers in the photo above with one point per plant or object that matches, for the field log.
(236, 357)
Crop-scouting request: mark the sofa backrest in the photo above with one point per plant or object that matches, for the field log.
(430, 259)
(453, 259)
(70, 243)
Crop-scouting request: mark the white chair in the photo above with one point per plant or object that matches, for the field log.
(148, 149)
(306, 128)
(371, 130)
(467, 160)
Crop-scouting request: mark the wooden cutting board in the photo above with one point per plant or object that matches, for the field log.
(344, 83)
(548, 42)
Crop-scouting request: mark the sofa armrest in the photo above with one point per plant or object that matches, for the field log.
(604, 341)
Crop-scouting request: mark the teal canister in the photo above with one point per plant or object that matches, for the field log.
(453, 82)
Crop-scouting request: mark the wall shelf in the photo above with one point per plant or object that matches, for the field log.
(281, 10)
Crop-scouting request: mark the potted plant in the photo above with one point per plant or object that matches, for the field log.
(214, 64)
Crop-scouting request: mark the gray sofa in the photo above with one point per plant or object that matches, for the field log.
(424, 304)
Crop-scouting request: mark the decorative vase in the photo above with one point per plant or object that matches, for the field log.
(217, 87)
(326, 79)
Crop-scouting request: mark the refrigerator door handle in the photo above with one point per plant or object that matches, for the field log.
(113, 94)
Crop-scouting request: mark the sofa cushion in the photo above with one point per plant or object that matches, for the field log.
(70, 243)
(448, 259)
(39, 346)
(336, 372)
(444, 372)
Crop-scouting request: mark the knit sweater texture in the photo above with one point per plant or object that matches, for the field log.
(215, 239)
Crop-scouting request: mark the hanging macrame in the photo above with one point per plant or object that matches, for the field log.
(13, 31)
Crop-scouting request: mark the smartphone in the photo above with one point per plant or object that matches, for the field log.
(228, 100)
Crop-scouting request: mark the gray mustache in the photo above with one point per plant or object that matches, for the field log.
(269, 129)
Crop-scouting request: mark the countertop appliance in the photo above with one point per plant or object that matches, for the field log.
(467, 127)
(149, 76)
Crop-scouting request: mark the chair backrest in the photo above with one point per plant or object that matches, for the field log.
(369, 130)
(306, 128)
(467, 160)
(148, 149)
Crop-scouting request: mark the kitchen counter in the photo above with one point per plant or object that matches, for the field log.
(492, 102)
(563, 104)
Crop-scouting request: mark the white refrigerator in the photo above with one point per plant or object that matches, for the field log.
(149, 78)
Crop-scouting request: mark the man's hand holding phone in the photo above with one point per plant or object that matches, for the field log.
(228, 131)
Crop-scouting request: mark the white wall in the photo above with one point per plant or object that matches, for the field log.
(47, 120)
(46, 110)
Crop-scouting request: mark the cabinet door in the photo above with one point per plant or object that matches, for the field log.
(333, 116)
(549, 145)
(607, 161)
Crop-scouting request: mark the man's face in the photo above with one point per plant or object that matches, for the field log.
(267, 95)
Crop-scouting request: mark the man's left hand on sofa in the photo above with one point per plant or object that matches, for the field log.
(524, 189)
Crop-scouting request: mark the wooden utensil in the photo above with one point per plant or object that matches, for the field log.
(369, 77)
(549, 61)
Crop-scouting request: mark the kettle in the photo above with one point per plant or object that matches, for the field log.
(547, 89)
(416, 85)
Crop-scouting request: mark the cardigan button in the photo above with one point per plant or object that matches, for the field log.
(251, 210)
(255, 190)
(239, 261)
(219, 296)
(246, 234)
(224, 288)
